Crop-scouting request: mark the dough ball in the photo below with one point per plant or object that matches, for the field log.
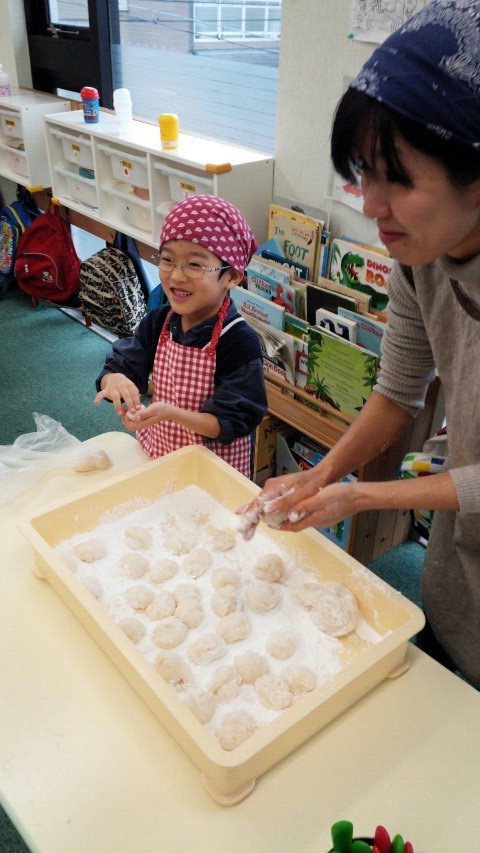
(273, 692)
(222, 540)
(281, 644)
(163, 569)
(261, 597)
(269, 568)
(190, 612)
(202, 705)
(173, 669)
(206, 649)
(197, 562)
(251, 666)
(139, 597)
(92, 460)
(225, 684)
(331, 606)
(234, 627)
(134, 565)
(169, 633)
(179, 541)
(90, 550)
(224, 577)
(94, 586)
(138, 538)
(235, 728)
(187, 590)
(224, 601)
(162, 605)
(132, 628)
(299, 678)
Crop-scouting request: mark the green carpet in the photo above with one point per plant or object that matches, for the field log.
(48, 364)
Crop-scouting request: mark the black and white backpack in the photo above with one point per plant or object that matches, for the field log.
(112, 293)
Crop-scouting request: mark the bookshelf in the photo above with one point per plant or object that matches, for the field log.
(374, 532)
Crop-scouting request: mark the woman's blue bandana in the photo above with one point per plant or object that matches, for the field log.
(429, 70)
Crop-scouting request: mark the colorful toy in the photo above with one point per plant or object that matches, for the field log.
(344, 842)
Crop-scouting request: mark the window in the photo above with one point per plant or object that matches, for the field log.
(213, 63)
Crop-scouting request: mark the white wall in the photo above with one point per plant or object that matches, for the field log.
(315, 56)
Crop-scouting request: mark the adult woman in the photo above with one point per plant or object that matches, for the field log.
(409, 126)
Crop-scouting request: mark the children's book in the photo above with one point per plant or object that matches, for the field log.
(295, 326)
(251, 305)
(337, 324)
(340, 373)
(266, 286)
(369, 332)
(278, 350)
(301, 362)
(320, 297)
(363, 299)
(299, 236)
(270, 268)
(362, 269)
(271, 251)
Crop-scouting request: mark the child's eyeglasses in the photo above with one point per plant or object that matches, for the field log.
(191, 269)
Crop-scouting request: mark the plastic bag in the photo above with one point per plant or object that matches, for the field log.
(34, 454)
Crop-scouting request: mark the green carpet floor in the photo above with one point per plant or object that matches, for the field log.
(48, 364)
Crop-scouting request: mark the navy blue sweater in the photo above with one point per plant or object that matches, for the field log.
(239, 400)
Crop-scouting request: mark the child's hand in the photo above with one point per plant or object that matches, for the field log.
(117, 388)
(146, 417)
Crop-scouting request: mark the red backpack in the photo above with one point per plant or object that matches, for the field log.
(46, 263)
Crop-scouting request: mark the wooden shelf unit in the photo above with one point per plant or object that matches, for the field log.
(375, 532)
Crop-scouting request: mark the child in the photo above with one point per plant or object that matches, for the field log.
(205, 360)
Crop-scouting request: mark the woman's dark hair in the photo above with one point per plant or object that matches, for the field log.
(363, 127)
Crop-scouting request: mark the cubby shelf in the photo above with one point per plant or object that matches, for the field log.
(153, 179)
(23, 156)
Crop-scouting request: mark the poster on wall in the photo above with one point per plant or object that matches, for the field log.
(374, 20)
(346, 193)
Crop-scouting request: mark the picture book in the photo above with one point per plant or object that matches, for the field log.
(295, 326)
(369, 332)
(363, 299)
(266, 286)
(337, 324)
(278, 350)
(301, 361)
(272, 250)
(299, 236)
(251, 305)
(320, 297)
(362, 269)
(276, 271)
(340, 373)
(324, 252)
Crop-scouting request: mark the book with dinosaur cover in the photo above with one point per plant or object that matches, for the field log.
(340, 373)
(299, 235)
(362, 269)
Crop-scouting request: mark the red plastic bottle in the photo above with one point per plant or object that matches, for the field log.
(91, 104)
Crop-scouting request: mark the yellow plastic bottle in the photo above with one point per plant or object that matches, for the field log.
(168, 123)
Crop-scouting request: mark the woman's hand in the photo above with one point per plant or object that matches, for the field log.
(329, 505)
(119, 389)
(279, 496)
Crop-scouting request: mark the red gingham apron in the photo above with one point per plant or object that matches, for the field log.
(185, 376)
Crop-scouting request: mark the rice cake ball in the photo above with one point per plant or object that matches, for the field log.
(169, 633)
(139, 597)
(197, 562)
(132, 628)
(225, 684)
(281, 644)
(269, 568)
(134, 565)
(162, 605)
(234, 627)
(262, 597)
(273, 692)
(202, 704)
(299, 678)
(208, 648)
(251, 666)
(224, 576)
(173, 669)
(90, 550)
(163, 569)
(138, 538)
(235, 728)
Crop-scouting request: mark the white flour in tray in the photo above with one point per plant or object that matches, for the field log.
(193, 510)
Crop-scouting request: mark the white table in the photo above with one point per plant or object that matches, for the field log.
(84, 766)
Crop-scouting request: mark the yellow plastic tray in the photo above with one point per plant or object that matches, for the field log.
(228, 776)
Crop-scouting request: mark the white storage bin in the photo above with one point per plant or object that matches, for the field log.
(17, 162)
(82, 192)
(12, 125)
(129, 169)
(135, 214)
(77, 151)
(182, 184)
